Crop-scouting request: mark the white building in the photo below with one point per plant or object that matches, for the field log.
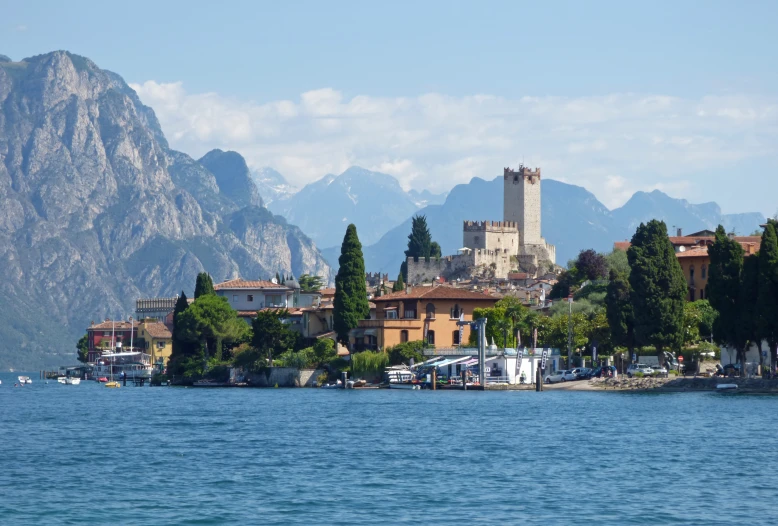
(501, 364)
(247, 297)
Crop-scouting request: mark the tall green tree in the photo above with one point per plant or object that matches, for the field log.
(204, 285)
(420, 243)
(351, 303)
(399, 284)
(618, 309)
(271, 336)
(83, 349)
(750, 315)
(211, 323)
(767, 300)
(180, 346)
(724, 291)
(658, 288)
(309, 283)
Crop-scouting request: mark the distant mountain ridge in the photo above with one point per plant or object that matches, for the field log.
(572, 218)
(99, 211)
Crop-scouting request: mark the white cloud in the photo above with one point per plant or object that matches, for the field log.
(613, 145)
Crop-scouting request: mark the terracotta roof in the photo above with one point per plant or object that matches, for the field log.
(107, 325)
(247, 313)
(621, 245)
(246, 284)
(157, 329)
(517, 275)
(436, 293)
(327, 292)
(693, 253)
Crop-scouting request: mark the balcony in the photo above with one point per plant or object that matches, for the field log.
(390, 324)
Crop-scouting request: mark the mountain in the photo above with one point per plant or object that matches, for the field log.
(272, 185)
(425, 197)
(373, 201)
(232, 177)
(99, 211)
(571, 217)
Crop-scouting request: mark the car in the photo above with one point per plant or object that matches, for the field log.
(560, 376)
(659, 370)
(582, 373)
(642, 368)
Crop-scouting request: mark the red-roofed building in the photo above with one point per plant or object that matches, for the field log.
(419, 313)
(249, 296)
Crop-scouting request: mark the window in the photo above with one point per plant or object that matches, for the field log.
(702, 294)
(234, 298)
(431, 337)
(477, 239)
(455, 337)
(391, 314)
(249, 297)
(274, 300)
(403, 336)
(430, 311)
(106, 334)
(160, 345)
(704, 271)
(691, 294)
(409, 314)
(691, 273)
(456, 312)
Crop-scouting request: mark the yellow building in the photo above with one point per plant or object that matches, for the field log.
(419, 313)
(157, 339)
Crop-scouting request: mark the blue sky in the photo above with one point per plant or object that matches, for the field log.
(615, 96)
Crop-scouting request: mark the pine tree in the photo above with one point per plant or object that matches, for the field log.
(399, 284)
(204, 285)
(278, 278)
(724, 291)
(618, 309)
(350, 295)
(767, 300)
(180, 348)
(658, 288)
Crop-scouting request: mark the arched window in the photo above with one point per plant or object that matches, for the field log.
(456, 312)
(704, 271)
(403, 336)
(430, 311)
(691, 273)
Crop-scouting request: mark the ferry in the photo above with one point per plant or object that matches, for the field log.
(114, 366)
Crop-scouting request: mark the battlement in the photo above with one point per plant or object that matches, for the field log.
(491, 226)
(523, 171)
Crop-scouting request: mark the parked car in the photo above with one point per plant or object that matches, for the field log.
(582, 373)
(639, 368)
(560, 376)
(603, 371)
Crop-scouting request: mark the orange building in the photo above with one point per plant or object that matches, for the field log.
(419, 313)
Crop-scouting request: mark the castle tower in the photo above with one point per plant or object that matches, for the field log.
(521, 202)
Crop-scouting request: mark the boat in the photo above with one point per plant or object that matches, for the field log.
(62, 380)
(336, 385)
(102, 379)
(726, 387)
(72, 380)
(113, 385)
(124, 364)
(402, 378)
(208, 383)
(25, 380)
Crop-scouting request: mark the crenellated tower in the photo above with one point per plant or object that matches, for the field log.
(521, 202)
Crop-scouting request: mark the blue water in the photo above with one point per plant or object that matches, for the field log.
(87, 454)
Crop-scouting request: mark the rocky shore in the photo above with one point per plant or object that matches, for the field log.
(748, 385)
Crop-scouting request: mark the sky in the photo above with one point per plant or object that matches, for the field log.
(613, 96)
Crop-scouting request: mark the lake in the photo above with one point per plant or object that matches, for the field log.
(163, 455)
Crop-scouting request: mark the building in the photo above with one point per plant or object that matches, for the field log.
(247, 297)
(502, 365)
(109, 335)
(494, 249)
(692, 254)
(154, 308)
(156, 340)
(426, 313)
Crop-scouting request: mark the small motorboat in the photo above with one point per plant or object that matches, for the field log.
(726, 387)
(72, 381)
(62, 380)
(114, 385)
(336, 385)
(102, 379)
(25, 380)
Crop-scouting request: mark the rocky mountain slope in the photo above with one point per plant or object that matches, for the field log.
(572, 219)
(272, 185)
(373, 201)
(98, 210)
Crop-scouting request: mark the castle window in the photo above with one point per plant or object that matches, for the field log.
(704, 271)
(477, 239)
(691, 274)
(403, 336)
(515, 178)
(430, 311)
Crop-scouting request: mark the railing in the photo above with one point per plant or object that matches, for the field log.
(497, 380)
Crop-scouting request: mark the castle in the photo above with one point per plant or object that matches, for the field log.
(492, 249)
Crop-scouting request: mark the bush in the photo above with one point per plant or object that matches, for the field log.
(369, 365)
(403, 352)
(158, 379)
(638, 375)
(322, 378)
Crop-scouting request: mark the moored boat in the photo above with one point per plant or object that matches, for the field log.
(113, 385)
(62, 380)
(72, 381)
(726, 387)
(25, 380)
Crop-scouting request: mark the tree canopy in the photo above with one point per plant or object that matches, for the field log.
(658, 288)
(180, 346)
(310, 283)
(211, 322)
(724, 283)
(204, 285)
(618, 309)
(767, 299)
(351, 303)
(82, 347)
(271, 336)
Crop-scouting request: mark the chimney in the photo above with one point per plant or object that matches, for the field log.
(680, 232)
(407, 289)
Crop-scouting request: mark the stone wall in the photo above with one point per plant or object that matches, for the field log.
(491, 235)
(521, 202)
(284, 377)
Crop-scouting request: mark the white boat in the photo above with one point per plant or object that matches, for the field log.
(71, 380)
(726, 387)
(25, 380)
(401, 378)
(405, 385)
(62, 380)
(117, 365)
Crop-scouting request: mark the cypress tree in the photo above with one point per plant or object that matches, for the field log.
(278, 278)
(350, 294)
(180, 347)
(399, 284)
(750, 322)
(618, 310)
(724, 291)
(420, 244)
(658, 288)
(767, 300)
(204, 285)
